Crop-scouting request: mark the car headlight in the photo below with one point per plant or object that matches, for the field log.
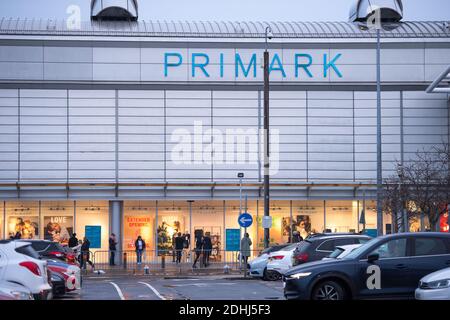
(299, 275)
(20, 295)
(439, 284)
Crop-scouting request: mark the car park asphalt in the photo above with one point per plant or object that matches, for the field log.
(129, 287)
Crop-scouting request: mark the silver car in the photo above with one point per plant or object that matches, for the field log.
(435, 286)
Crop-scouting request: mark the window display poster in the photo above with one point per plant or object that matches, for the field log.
(135, 226)
(27, 226)
(58, 228)
(233, 241)
(94, 235)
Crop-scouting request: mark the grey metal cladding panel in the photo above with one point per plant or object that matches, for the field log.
(116, 55)
(21, 54)
(21, 70)
(68, 71)
(116, 72)
(68, 54)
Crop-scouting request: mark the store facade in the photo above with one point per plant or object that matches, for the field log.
(141, 128)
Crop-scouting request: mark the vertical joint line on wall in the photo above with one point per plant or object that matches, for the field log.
(354, 160)
(165, 138)
(307, 140)
(117, 143)
(259, 136)
(211, 140)
(18, 139)
(4, 219)
(402, 159)
(67, 144)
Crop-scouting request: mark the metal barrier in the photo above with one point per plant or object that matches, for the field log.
(166, 260)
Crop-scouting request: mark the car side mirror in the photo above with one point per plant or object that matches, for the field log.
(373, 257)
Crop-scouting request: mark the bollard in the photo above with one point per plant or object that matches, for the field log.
(124, 260)
(226, 269)
(163, 261)
(146, 270)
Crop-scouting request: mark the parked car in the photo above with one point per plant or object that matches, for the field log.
(435, 286)
(20, 263)
(70, 273)
(341, 252)
(320, 246)
(58, 284)
(13, 291)
(385, 267)
(53, 250)
(279, 262)
(257, 267)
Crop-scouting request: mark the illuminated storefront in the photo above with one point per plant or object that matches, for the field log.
(138, 128)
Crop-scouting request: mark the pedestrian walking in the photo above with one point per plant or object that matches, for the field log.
(246, 242)
(73, 241)
(140, 248)
(112, 249)
(198, 249)
(85, 254)
(179, 246)
(207, 249)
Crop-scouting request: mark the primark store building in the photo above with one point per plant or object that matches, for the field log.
(141, 127)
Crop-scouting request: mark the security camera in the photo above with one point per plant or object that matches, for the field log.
(446, 26)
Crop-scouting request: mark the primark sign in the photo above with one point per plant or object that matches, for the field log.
(299, 66)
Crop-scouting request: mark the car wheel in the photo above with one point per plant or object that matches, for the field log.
(271, 275)
(328, 290)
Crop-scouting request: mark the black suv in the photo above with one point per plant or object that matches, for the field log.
(319, 246)
(385, 267)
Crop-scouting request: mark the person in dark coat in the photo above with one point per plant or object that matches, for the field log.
(73, 241)
(112, 250)
(179, 246)
(198, 249)
(85, 254)
(296, 237)
(207, 249)
(140, 248)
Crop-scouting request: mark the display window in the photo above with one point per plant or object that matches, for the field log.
(22, 219)
(280, 232)
(231, 224)
(208, 220)
(2, 221)
(173, 218)
(341, 216)
(92, 222)
(139, 220)
(371, 217)
(307, 217)
(57, 221)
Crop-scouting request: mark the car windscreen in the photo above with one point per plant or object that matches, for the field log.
(355, 253)
(56, 247)
(28, 251)
(336, 253)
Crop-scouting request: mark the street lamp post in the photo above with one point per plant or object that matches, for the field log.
(268, 35)
(240, 176)
(379, 154)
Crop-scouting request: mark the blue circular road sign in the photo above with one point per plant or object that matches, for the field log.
(245, 220)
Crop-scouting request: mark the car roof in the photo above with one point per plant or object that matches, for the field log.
(337, 236)
(416, 235)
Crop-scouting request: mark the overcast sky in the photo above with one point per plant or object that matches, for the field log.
(259, 10)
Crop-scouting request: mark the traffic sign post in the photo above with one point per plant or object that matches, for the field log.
(245, 220)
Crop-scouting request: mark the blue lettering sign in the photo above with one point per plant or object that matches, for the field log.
(276, 59)
(331, 64)
(168, 64)
(201, 66)
(240, 64)
(304, 66)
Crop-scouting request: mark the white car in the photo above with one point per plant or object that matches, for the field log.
(341, 252)
(257, 267)
(435, 286)
(280, 262)
(14, 291)
(20, 264)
